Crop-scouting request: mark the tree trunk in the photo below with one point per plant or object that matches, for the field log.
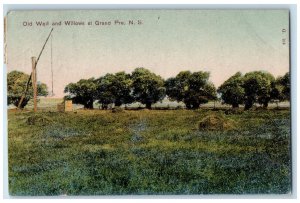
(195, 105)
(248, 105)
(24, 103)
(148, 105)
(118, 103)
(235, 106)
(89, 104)
(104, 106)
(188, 106)
(265, 104)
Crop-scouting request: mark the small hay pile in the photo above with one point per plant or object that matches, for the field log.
(260, 108)
(214, 122)
(117, 109)
(38, 120)
(144, 110)
(234, 111)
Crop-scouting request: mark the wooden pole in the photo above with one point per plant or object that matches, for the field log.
(36, 61)
(52, 93)
(34, 83)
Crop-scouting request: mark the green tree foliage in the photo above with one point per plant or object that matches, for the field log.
(284, 86)
(16, 85)
(258, 88)
(277, 92)
(83, 92)
(285, 81)
(114, 88)
(104, 95)
(281, 88)
(232, 91)
(148, 88)
(193, 89)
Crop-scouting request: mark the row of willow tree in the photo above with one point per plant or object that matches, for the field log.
(145, 87)
(193, 89)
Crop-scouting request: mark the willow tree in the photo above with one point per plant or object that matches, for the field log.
(16, 85)
(82, 92)
(258, 88)
(232, 90)
(148, 88)
(193, 89)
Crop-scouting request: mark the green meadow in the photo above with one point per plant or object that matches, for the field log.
(144, 152)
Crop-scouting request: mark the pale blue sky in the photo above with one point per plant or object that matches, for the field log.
(219, 41)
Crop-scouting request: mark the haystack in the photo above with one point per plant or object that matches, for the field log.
(38, 120)
(214, 122)
(117, 109)
(234, 111)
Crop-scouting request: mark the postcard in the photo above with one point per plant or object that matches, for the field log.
(148, 102)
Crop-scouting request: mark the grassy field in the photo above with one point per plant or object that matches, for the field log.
(147, 152)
